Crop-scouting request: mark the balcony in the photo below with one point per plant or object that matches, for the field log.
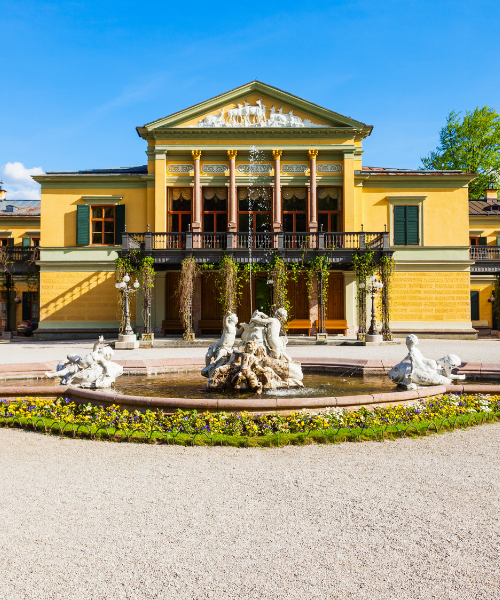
(339, 247)
(487, 259)
(18, 259)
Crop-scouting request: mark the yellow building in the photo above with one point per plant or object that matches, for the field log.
(19, 253)
(252, 173)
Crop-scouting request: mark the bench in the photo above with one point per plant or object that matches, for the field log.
(301, 325)
(334, 325)
(212, 324)
(171, 325)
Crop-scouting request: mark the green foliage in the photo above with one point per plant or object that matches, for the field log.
(140, 268)
(185, 291)
(385, 270)
(364, 267)
(471, 143)
(227, 282)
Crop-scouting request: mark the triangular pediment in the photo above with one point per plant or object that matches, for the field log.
(256, 104)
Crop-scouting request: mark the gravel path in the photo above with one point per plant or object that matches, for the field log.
(377, 521)
(468, 350)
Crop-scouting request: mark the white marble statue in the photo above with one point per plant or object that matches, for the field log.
(415, 371)
(261, 364)
(94, 370)
(224, 346)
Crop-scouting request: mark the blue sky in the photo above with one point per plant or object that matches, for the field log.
(78, 77)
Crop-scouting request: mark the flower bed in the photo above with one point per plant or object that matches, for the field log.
(65, 417)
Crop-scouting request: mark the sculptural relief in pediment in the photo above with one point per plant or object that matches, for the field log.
(255, 111)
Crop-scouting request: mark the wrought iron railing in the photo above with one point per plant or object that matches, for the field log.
(256, 240)
(18, 254)
(484, 252)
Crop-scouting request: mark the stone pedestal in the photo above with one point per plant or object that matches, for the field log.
(147, 337)
(6, 335)
(321, 338)
(374, 339)
(126, 342)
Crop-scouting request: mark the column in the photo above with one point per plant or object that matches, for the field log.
(352, 221)
(160, 193)
(233, 201)
(313, 207)
(197, 191)
(277, 223)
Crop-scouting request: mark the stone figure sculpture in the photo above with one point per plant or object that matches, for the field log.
(94, 370)
(415, 371)
(224, 346)
(262, 364)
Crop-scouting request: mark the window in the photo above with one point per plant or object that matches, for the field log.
(406, 225)
(179, 215)
(294, 209)
(254, 209)
(35, 242)
(4, 241)
(474, 306)
(214, 209)
(103, 225)
(329, 209)
(30, 305)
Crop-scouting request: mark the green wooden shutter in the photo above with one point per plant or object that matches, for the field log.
(498, 240)
(83, 224)
(399, 225)
(412, 225)
(26, 305)
(119, 223)
(26, 241)
(483, 241)
(474, 306)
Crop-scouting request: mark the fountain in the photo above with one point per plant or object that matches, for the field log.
(258, 363)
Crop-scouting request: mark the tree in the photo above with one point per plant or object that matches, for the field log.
(471, 144)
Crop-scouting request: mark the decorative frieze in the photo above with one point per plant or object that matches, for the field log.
(214, 169)
(328, 168)
(246, 169)
(302, 168)
(180, 169)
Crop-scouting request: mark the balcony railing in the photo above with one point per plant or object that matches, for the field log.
(484, 252)
(20, 254)
(260, 241)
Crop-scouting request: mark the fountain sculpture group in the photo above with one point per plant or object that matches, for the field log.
(415, 371)
(258, 362)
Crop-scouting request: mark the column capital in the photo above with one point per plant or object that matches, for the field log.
(232, 154)
(196, 154)
(277, 154)
(312, 154)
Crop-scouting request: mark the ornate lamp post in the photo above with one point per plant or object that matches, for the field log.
(127, 340)
(373, 287)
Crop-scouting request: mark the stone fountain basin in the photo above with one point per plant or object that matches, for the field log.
(256, 405)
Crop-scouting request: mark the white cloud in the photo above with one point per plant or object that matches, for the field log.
(18, 182)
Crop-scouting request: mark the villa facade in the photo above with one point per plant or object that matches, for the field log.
(253, 172)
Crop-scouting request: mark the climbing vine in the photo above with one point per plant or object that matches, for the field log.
(364, 268)
(496, 302)
(185, 292)
(226, 279)
(386, 271)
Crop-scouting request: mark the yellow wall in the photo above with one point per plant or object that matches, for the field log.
(446, 213)
(58, 219)
(78, 297)
(19, 230)
(485, 307)
(489, 228)
(430, 296)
